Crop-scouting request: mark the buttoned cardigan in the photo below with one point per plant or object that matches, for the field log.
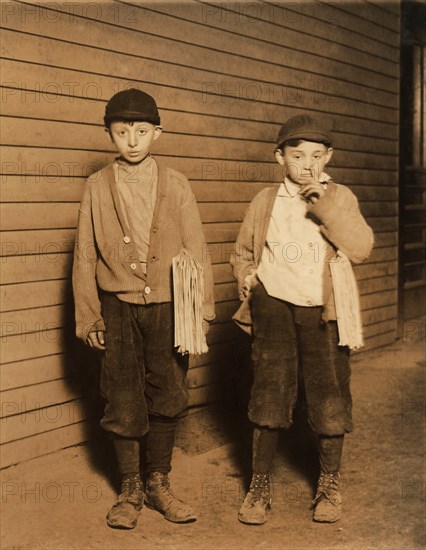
(106, 256)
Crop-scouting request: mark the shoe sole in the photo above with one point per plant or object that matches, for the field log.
(247, 522)
(320, 520)
(190, 519)
(130, 525)
(121, 526)
(114, 525)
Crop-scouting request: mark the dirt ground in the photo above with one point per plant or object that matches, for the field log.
(60, 501)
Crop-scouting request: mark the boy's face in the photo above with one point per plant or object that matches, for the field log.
(305, 162)
(134, 139)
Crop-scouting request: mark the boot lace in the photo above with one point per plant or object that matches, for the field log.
(260, 488)
(328, 487)
(162, 483)
(131, 490)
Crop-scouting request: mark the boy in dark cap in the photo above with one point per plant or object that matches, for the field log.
(292, 263)
(135, 216)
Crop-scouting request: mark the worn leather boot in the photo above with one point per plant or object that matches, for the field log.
(159, 496)
(257, 501)
(328, 502)
(125, 512)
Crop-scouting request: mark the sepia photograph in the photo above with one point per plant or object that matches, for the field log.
(213, 275)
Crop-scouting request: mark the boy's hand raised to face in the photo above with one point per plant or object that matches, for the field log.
(96, 340)
(312, 191)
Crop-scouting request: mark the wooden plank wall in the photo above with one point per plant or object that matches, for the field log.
(225, 76)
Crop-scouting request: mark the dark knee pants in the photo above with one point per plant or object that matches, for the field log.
(141, 373)
(291, 345)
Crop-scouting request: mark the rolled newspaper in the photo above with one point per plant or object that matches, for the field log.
(188, 290)
(346, 300)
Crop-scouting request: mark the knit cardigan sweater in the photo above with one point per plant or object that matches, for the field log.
(341, 223)
(106, 255)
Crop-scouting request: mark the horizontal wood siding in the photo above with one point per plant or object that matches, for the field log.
(225, 76)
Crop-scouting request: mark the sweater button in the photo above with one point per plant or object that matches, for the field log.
(147, 290)
(126, 239)
(132, 266)
(154, 229)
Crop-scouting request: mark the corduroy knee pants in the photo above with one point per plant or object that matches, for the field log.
(291, 345)
(141, 372)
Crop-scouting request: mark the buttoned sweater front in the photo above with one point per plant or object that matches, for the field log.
(106, 256)
(137, 191)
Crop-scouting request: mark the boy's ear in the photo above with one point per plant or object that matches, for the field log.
(329, 154)
(108, 131)
(157, 132)
(279, 156)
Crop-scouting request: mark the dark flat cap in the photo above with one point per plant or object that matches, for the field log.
(131, 104)
(307, 127)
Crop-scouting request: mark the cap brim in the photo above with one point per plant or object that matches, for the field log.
(306, 136)
(133, 115)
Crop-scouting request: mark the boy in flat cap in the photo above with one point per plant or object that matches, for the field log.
(292, 263)
(135, 216)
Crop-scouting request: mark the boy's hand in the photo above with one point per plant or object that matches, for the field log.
(248, 283)
(312, 191)
(245, 290)
(96, 340)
